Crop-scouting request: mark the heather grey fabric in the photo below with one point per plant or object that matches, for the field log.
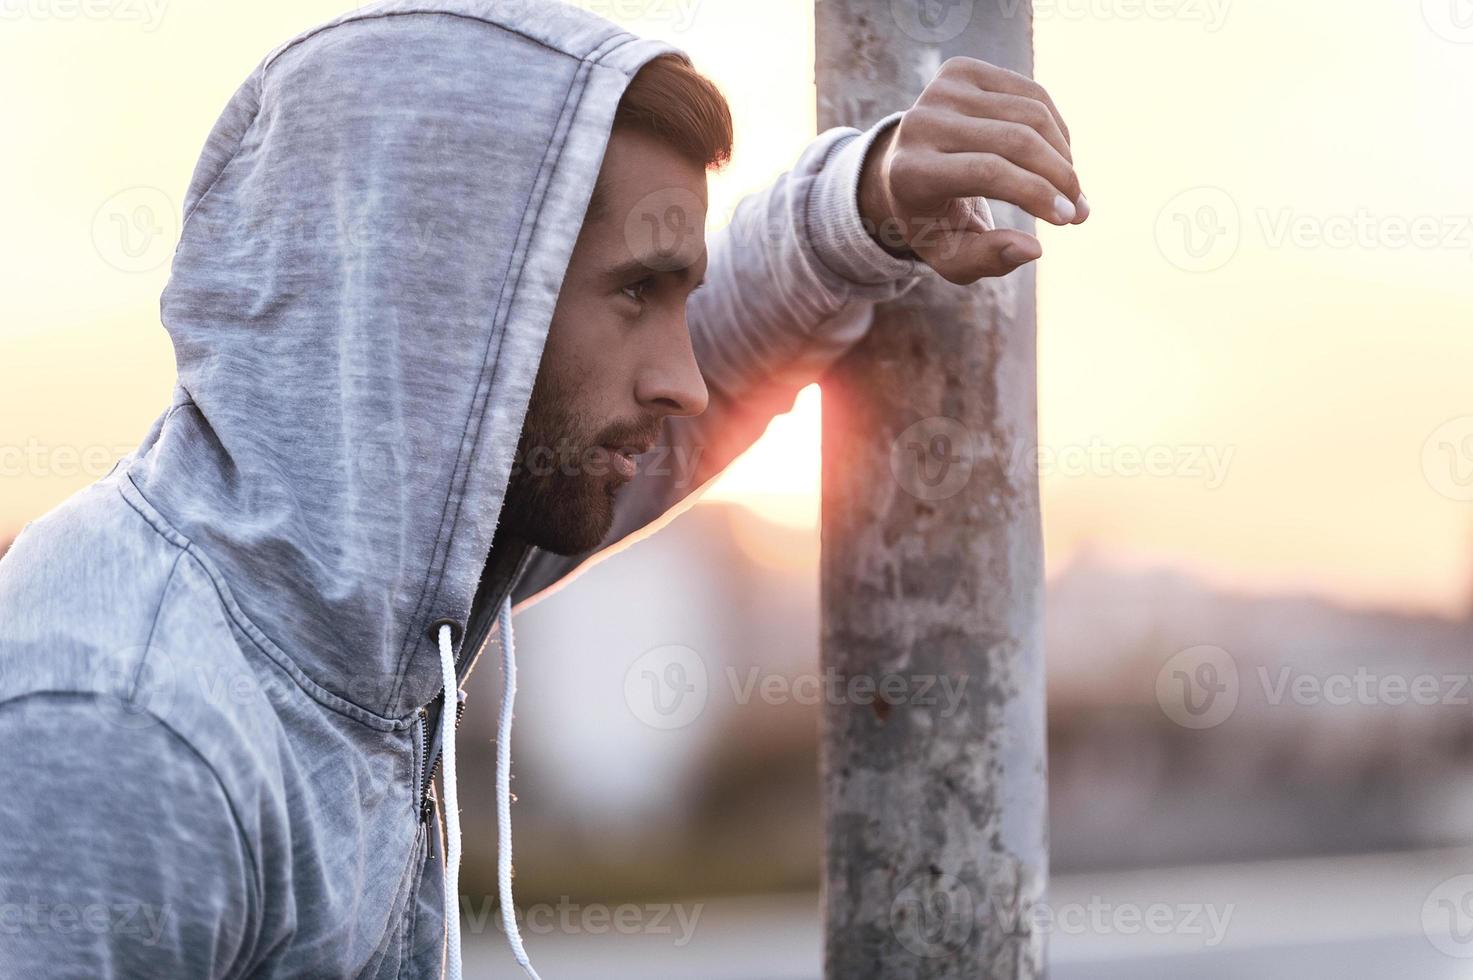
(213, 661)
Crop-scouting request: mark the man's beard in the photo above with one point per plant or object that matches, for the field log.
(561, 493)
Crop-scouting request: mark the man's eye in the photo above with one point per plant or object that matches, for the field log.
(638, 291)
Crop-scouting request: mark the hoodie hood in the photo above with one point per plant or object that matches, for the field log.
(373, 245)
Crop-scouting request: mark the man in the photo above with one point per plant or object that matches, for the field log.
(437, 293)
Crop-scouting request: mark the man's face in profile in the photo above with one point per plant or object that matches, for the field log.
(618, 357)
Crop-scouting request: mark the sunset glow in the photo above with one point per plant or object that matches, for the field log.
(1321, 352)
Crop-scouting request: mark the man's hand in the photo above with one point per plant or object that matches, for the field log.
(976, 132)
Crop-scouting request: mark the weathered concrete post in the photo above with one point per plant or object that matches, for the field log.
(934, 790)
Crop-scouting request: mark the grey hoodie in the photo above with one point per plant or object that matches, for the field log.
(219, 677)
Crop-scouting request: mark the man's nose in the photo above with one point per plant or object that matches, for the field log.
(671, 382)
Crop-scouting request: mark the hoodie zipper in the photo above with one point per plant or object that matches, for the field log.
(425, 809)
(428, 766)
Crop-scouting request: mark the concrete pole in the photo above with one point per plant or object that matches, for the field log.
(935, 792)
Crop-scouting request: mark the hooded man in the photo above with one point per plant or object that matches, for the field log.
(435, 299)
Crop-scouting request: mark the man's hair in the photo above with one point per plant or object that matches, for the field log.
(670, 100)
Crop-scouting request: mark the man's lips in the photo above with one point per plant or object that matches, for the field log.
(623, 458)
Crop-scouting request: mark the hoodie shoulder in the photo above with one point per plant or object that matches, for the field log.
(122, 825)
(101, 604)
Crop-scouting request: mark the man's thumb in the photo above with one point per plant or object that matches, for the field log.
(988, 254)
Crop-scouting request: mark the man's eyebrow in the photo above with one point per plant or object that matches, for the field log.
(654, 265)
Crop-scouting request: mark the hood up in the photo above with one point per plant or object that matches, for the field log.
(374, 240)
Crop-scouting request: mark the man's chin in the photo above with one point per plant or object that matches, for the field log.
(576, 522)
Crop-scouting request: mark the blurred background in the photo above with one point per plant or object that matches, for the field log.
(1256, 428)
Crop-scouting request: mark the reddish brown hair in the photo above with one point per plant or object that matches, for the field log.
(673, 102)
(669, 99)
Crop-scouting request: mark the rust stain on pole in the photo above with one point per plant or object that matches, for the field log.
(935, 790)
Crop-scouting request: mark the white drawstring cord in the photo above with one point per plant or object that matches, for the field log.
(503, 789)
(452, 805)
(503, 798)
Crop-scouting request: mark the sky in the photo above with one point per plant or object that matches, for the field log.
(1255, 359)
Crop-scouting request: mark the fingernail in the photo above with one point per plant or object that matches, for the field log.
(1083, 208)
(1063, 209)
(1015, 255)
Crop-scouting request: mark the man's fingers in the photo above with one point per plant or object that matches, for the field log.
(969, 257)
(942, 176)
(980, 104)
(1016, 142)
(994, 79)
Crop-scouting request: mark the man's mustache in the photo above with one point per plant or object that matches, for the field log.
(637, 432)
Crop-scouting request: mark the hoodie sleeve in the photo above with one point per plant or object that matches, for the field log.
(790, 286)
(120, 856)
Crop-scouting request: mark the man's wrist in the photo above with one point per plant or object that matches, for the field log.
(836, 226)
(875, 210)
